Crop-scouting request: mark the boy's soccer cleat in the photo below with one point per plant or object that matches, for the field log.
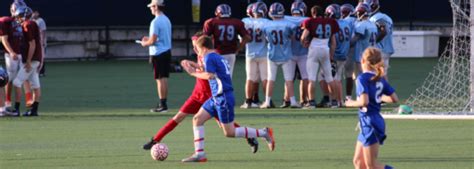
(29, 113)
(149, 144)
(295, 105)
(253, 144)
(12, 113)
(285, 104)
(159, 109)
(270, 139)
(195, 158)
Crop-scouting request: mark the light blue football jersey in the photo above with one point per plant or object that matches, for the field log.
(256, 47)
(343, 39)
(386, 44)
(296, 46)
(279, 34)
(368, 37)
(352, 21)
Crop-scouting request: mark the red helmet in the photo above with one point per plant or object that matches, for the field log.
(250, 10)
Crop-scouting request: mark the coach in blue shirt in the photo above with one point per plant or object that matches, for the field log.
(159, 43)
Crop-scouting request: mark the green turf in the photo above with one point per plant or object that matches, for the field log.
(94, 115)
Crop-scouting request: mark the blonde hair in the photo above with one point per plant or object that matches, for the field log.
(373, 59)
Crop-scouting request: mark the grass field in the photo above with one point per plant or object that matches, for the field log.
(94, 115)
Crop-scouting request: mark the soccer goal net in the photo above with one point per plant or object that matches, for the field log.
(448, 89)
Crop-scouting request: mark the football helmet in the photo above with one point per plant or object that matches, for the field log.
(373, 4)
(223, 11)
(298, 7)
(250, 10)
(260, 8)
(362, 10)
(333, 11)
(276, 10)
(3, 77)
(346, 10)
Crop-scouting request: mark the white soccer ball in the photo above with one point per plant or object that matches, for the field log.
(159, 152)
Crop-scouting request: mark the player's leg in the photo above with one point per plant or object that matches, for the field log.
(263, 73)
(349, 71)
(2, 102)
(312, 67)
(251, 71)
(21, 77)
(34, 83)
(301, 62)
(358, 160)
(272, 69)
(289, 75)
(325, 100)
(327, 70)
(29, 96)
(338, 78)
(371, 155)
(12, 67)
(205, 113)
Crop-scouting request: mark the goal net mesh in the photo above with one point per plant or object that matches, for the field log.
(446, 90)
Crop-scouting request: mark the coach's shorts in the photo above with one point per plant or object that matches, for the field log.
(221, 107)
(372, 129)
(161, 65)
(191, 106)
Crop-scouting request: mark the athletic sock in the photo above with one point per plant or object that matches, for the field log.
(168, 127)
(163, 103)
(255, 98)
(34, 108)
(326, 98)
(248, 132)
(198, 139)
(17, 106)
(248, 101)
(268, 99)
(293, 100)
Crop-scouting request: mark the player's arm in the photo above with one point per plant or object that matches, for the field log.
(246, 38)
(203, 75)
(382, 30)
(362, 101)
(393, 98)
(332, 50)
(304, 38)
(356, 38)
(8, 47)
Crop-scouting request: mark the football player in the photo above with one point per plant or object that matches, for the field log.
(256, 52)
(365, 34)
(221, 104)
(322, 31)
(300, 53)
(225, 31)
(279, 33)
(385, 28)
(343, 38)
(347, 11)
(33, 56)
(191, 106)
(3, 82)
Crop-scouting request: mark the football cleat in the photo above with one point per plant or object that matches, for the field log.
(245, 106)
(267, 106)
(285, 104)
(149, 144)
(270, 139)
(253, 144)
(159, 109)
(295, 105)
(310, 105)
(195, 158)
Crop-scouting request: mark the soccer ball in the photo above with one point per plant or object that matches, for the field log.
(159, 152)
(405, 109)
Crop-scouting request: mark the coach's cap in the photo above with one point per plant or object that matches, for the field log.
(156, 2)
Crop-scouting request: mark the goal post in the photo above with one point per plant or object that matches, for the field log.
(448, 90)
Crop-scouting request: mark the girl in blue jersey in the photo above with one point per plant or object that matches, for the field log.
(372, 90)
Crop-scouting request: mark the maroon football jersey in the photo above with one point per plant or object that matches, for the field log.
(31, 32)
(322, 28)
(225, 33)
(10, 28)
